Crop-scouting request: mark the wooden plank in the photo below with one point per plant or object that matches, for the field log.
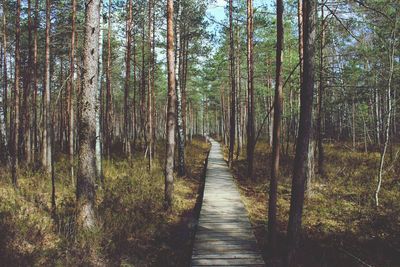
(248, 255)
(226, 261)
(242, 265)
(236, 225)
(226, 231)
(224, 235)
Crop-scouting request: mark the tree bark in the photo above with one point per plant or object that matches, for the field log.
(306, 101)
(273, 189)
(25, 118)
(99, 109)
(389, 115)
(150, 86)
(320, 98)
(143, 91)
(35, 82)
(178, 83)
(108, 116)
(126, 141)
(46, 144)
(70, 106)
(134, 117)
(4, 100)
(171, 115)
(5, 74)
(232, 128)
(15, 141)
(250, 88)
(87, 121)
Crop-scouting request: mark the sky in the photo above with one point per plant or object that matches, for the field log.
(217, 13)
(217, 9)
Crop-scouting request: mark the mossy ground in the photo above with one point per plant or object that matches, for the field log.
(133, 228)
(341, 224)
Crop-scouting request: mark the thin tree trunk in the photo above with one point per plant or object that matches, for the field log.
(5, 78)
(238, 97)
(143, 91)
(178, 83)
(27, 93)
(171, 115)
(353, 121)
(35, 83)
(46, 144)
(150, 86)
(184, 80)
(99, 109)
(70, 106)
(15, 141)
(273, 189)
(388, 119)
(320, 98)
(153, 91)
(250, 88)
(87, 121)
(108, 119)
(4, 106)
(53, 174)
(134, 117)
(126, 139)
(232, 128)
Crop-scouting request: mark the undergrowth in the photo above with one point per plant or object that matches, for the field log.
(341, 225)
(133, 228)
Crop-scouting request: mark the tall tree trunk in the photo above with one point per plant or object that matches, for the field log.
(134, 117)
(108, 118)
(353, 121)
(4, 104)
(273, 188)
(250, 88)
(99, 109)
(178, 83)
(70, 106)
(305, 123)
(53, 174)
(232, 128)
(320, 97)
(389, 114)
(126, 141)
(27, 93)
(143, 91)
(153, 91)
(15, 141)
(87, 121)
(5, 78)
(35, 83)
(150, 85)
(239, 97)
(46, 144)
(184, 82)
(171, 115)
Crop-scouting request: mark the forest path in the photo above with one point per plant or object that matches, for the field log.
(224, 235)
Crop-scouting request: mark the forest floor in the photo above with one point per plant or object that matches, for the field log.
(341, 225)
(133, 228)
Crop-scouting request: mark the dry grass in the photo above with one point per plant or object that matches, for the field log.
(340, 221)
(134, 229)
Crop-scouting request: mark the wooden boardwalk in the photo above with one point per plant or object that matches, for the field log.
(224, 235)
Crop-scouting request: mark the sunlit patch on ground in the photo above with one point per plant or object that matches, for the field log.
(133, 228)
(340, 220)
